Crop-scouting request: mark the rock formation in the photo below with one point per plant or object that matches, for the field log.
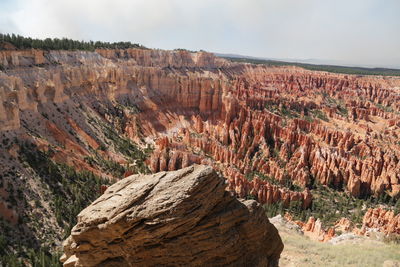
(374, 220)
(286, 124)
(313, 228)
(180, 218)
(344, 225)
(274, 133)
(385, 221)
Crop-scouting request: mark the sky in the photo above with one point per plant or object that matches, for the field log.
(352, 32)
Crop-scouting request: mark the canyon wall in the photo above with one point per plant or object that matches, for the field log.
(272, 132)
(74, 122)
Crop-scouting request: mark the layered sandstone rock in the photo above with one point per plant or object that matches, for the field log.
(375, 220)
(313, 228)
(181, 218)
(24, 58)
(163, 58)
(344, 225)
(385, 221)
(273, 132)
(240, 118)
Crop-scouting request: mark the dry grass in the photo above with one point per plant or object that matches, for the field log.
(301, 251)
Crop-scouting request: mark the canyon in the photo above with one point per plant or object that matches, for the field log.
(375, 220)
(274, 133)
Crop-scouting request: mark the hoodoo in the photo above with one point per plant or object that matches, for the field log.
(74, 122)
(113, 153)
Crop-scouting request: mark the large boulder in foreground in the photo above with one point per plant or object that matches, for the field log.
(179, 218)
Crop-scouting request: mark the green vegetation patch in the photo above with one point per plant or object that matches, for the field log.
(328, 68)
(21, 42)
(283, 111)
(20, 258)
(71, 191)
(329, 205)
(129, 149)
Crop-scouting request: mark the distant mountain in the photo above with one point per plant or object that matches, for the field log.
(310, 61)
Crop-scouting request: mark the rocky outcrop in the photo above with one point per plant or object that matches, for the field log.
(344, 225)
(313, 228)
(290, 125)
(375, 220)
(164, 59)
(265, 192)
(24, 58)
(180, 218)
(273, 132)
(385, 221)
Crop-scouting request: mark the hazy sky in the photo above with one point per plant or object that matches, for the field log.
(363, 32)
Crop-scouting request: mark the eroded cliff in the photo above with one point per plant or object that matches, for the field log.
(273, 133)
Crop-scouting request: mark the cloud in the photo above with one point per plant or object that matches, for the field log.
(350, 31)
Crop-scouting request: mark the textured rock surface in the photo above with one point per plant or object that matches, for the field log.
(181, 218)
(344, 225)
(312, 228)
(385, 221)
(375, 220)
(272, 132)
(286, 124)
(379, 220)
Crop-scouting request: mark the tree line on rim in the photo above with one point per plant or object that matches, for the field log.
(21, 42)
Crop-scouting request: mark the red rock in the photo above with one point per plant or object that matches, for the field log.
(383, 220)
(344, 225)
(313, 229)
(244, 120)
(103, 188)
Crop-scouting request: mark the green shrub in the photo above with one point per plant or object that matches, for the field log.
(71, 191)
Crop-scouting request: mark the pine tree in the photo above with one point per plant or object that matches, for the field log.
(21, 42)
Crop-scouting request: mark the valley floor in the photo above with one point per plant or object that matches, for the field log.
(301, 251)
